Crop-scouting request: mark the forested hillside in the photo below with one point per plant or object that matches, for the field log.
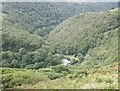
(90, 36)
(38, 37)
(24, 47)
(41, 18)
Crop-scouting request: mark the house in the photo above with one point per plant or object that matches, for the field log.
(66, 62)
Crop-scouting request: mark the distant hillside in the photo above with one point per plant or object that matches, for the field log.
(91, 36)
(14, 38)
(81, 37)
(40, 18)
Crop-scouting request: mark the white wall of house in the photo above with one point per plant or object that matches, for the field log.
(66, 62)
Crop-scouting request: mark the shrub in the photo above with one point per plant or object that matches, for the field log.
(46, 70)
(53, 76)
(16, 78)
(61, 69)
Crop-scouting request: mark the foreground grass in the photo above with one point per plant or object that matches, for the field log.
(96, 78)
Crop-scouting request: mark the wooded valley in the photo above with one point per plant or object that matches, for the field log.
(39, 38)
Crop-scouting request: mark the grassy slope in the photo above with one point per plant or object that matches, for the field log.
(104, 77)
(99, 78)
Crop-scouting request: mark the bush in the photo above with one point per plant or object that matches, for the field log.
(53, 76)
(46, 70)
(61, 69)
(16, 78)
